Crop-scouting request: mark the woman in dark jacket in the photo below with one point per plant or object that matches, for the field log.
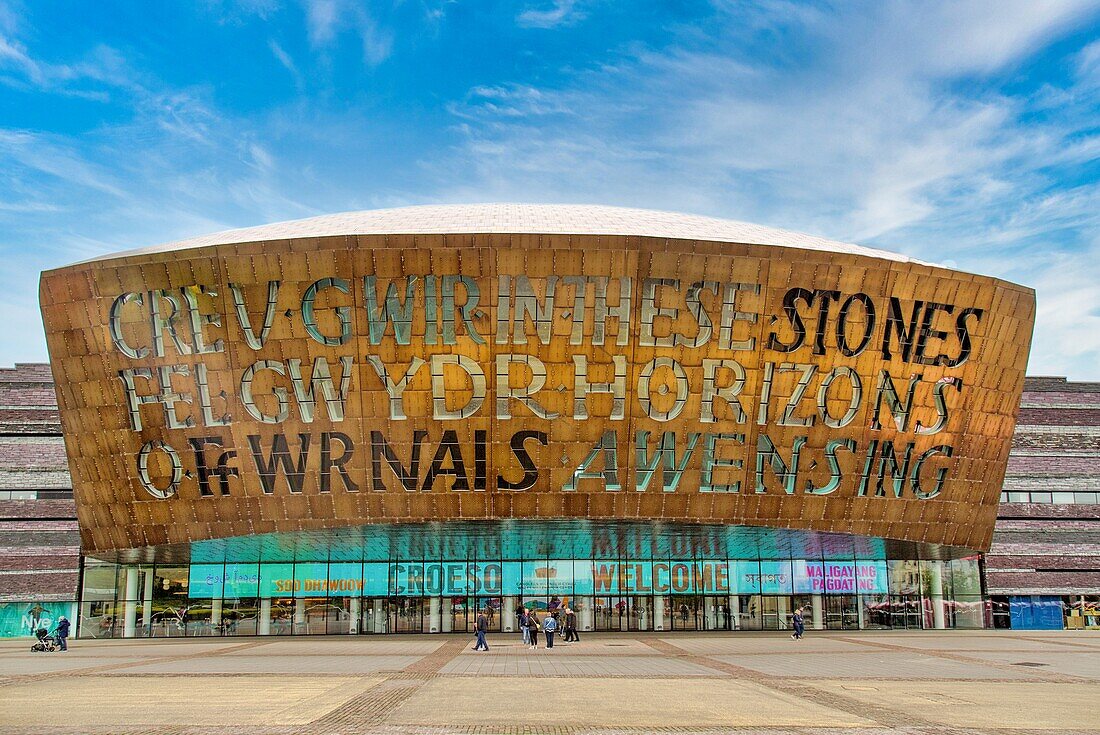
(534, 625)
(799, 624)
(62, 632)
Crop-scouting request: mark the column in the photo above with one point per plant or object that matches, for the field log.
(355, 613)
(710, 607)
(447, 617)
(859, 611)
(658, 612)
(508, 611)
(379, 618)
(264, 626)
(734, 605)
(817, 604)
(435, 614)
(147, 606)
(299, 616)
(585, 620)
(129, 626)
(215, 616)
(784, 609)
(935, 572)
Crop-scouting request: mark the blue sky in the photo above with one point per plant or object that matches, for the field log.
(966, 133)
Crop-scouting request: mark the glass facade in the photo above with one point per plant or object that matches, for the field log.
(630, 580)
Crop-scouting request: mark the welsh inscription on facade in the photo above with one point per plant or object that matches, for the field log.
(743, 380)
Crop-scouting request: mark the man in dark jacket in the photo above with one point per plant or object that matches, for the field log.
(571, 625)
(480, 627)
(62, 632)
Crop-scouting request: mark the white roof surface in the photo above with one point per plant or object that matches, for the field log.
(548, 219)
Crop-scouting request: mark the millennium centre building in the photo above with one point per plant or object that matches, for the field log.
(385, 421)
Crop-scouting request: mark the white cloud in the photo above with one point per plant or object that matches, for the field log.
(287, 62)
(326, 19)
(885, 130)
(562, 12)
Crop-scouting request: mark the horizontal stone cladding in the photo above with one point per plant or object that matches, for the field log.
(1056, 416)
(1042, 582)
(39, 539)
(1044, 548)
(58, 558)
(1045, 511)
(41, 585)
(28, 372)
(1061, 466)
(38, 510)
(33, 453)
(1065, 561)
(1054, 438)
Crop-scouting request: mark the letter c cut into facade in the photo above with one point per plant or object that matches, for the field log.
(497, 362)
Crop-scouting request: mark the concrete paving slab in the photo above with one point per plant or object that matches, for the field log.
(277, 665)
(42, 663)
(124, 702)
(552, 663)
(871, 665)
(1023, 705)
(1074, 662)
(343, 645)
(959, 642)
(748, 643)
(612, 702)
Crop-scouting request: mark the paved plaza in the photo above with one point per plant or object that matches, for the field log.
(830, 683)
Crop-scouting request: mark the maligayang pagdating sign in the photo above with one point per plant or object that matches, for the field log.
(515, 362)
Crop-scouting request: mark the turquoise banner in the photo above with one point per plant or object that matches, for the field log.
(538, 579)
(21, 619)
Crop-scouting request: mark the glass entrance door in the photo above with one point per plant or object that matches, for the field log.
(640, 613)
(462, 617)
(407, 614)
(464, 612)
(841, 613)
(612, 613)
(376, 617)
(685, 612)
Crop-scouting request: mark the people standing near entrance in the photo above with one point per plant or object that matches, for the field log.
(62, 632)
(481, 626)
(799, 625)
(550, 626)
(523, 616)
(571, 626)
(533, 626)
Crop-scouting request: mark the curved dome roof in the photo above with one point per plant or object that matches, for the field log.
(545, 219)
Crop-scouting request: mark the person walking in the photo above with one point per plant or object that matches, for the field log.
(533, 626)
(799, 624)
(62, 632)
(571, 626)
(550, 626)
(523, 616)
(481, 626)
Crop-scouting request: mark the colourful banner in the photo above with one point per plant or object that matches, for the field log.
(21, 619)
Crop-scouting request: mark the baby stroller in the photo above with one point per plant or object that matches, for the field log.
(46, 642)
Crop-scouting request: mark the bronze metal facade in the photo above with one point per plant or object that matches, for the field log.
(257, 387)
